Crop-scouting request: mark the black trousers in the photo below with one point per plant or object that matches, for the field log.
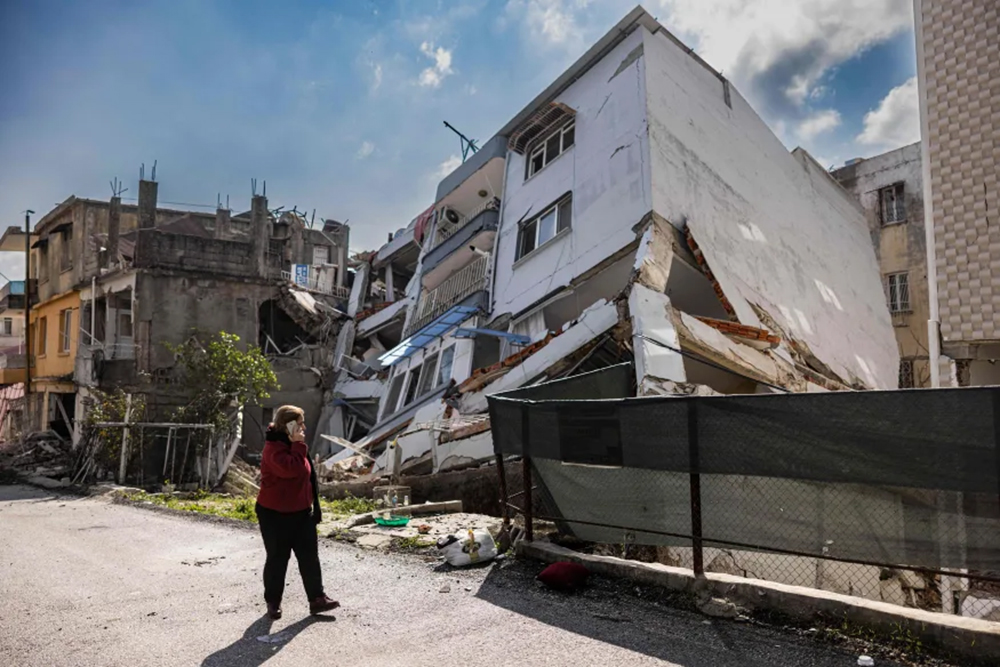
(283, 534)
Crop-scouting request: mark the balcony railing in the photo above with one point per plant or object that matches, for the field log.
(315, 282)
(468, 280)
(448, 229)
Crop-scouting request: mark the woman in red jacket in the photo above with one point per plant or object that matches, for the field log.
(288, 512)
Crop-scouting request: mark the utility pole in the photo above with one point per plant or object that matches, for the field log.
(27, 322)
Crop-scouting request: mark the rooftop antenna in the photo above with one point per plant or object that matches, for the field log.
(468, 145)
(312, 223)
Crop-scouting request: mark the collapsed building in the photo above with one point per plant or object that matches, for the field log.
(119, 285)
(637, 210)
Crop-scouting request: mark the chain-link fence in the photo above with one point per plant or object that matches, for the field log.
(890, 496)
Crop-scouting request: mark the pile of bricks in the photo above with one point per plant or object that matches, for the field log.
(364, 314)
(483, 376)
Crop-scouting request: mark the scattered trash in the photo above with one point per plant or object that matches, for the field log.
(276, 638)
(465, 548)
(866, 661)
(445, 589)
(468, 589)
(423, 529)
(718, 608)
(565, 576)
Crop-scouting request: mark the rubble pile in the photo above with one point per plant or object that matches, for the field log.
(241, 479)
(42, 458)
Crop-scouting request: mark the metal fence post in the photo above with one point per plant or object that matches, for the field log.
(529, 532)
(502, 474)
(695, 466)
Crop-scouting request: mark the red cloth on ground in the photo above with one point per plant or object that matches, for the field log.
(564, 576)
(285, 484)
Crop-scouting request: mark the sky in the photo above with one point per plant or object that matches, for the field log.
(339, 105)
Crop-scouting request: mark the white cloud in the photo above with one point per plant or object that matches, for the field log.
(896, 120)
(777, 50)
(553, 22)
(376, 77)
(448, 166)
(367, 148)
(433, 76)
(818, 123)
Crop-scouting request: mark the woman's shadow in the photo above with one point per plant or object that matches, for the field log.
(248, 652)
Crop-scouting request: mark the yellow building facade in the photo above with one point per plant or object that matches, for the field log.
(55, 334)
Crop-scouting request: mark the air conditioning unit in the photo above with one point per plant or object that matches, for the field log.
(451, 215)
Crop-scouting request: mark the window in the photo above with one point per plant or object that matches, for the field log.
(444, 369)
(891, 207)
(899, 292)
(543, 228)
(906, 373)
(394, 390)
(411, 385)
(321, 254)
(66, 250)
(125, 324)
(8, 326)
(548, 149)
(42, 259)
(427, 377)
(42, 335)
(65, 330)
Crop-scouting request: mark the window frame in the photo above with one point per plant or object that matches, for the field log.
(8, 326)
(906, 364)
(450, 353)
(899, 204)
(66, 250)
(412, 382)
(895, 290)
(540, 146)
(395, 386)
(562, 224)
(42, 329)
(65, 330)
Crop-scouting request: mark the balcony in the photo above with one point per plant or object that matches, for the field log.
(319, 279)
(455, 238)
(452, 292)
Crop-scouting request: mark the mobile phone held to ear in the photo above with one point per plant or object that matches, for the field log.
(290, 426)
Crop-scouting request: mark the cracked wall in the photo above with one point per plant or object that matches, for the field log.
(775, 228)
(607, 171)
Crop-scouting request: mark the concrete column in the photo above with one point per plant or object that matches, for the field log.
(260, 234)
(114, 229)
(341, 265)
(147, 204)
(390, 292)
(221, 223)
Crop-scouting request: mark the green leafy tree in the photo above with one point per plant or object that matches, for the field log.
(219, 377)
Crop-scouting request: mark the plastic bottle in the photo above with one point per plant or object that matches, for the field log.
(406, 501)
(395, 500)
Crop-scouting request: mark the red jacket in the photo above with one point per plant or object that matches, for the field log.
(286, 476)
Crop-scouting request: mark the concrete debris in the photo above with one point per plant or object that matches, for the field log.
(718, 608)
(43, 459)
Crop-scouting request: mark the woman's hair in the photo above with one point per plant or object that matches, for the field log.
(286, 414)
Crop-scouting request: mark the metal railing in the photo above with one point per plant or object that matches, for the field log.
(449, 229)
(314, 284)
(468, 280)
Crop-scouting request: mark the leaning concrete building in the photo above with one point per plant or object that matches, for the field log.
(647, 213)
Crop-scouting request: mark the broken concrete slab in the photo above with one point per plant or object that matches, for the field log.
(374, 541)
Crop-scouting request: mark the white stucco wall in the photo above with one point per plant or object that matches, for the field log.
(775, 229)
(607, 171)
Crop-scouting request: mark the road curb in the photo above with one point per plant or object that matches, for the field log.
(970, 640)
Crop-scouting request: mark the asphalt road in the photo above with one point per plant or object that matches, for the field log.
(85, 582)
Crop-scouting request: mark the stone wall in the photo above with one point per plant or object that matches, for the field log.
(191, 253)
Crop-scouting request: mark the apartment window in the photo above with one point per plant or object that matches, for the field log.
(42, 259)
(8, 326)
(906, 374)
(43, 329)
(411, 385)
(544, 227)
(65, 330)
(395, 389)
(892, 209)
(444, 369)
(321, 254)
(66, 250)
(899, 292)
(427, 377)
(547, 150)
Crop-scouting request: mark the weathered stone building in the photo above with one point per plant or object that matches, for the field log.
(889, 187)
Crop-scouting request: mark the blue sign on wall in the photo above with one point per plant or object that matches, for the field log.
(301, 273)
